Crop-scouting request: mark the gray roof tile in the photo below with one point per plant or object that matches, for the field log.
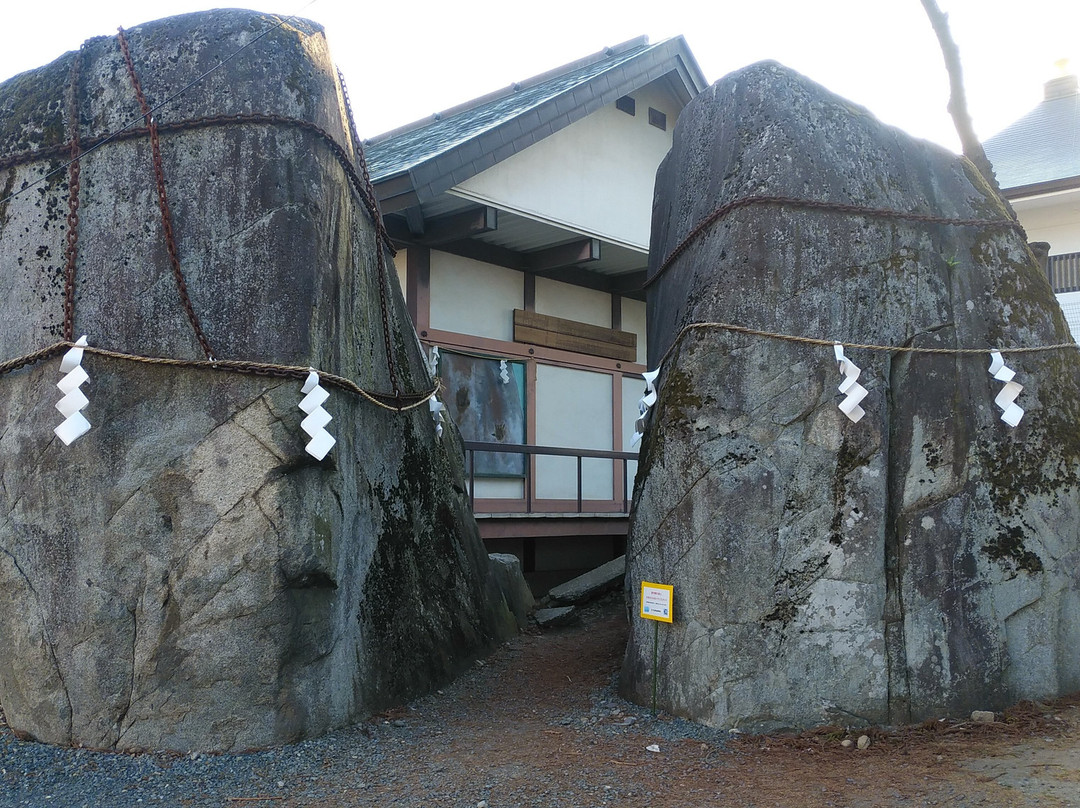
(1042, 146)
(500, 124)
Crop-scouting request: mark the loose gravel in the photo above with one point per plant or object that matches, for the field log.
(539, 724)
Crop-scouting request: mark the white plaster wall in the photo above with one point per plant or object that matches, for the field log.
(1054, 218)
(573, 409)
(571, 302)
(595, 175)
(633, 320)
(470, 297)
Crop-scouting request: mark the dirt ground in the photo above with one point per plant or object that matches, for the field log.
(539, 723)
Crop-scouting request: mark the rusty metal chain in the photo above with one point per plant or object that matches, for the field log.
(71, 250)
(163, 200)
(382, 238)
(358, 176)
(366, 189)
(207, 122)
(839, 207)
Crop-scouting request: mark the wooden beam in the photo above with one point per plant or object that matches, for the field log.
(487, 253)
(414, 219)
(455, 228)
(564, 255)
(458, 226)
(418, 285)
(570, 335)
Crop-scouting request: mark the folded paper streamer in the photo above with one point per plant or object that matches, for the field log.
(644, 405)
(317, 418)
(504, 372)
(70, 406)
(1006, 399)
(850, 387)
(436, 408)
(433, 361)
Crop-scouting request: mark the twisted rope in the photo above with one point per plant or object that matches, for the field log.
(232, 366)
(861, 346)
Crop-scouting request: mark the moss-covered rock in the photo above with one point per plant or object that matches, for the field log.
(924, 561)
(184, 576)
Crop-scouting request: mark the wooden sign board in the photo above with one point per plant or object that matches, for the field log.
(657, 601)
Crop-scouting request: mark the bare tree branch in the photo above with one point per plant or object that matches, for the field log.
(969, 143)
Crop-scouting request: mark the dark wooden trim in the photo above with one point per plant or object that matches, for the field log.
(530, 292)
(554, 508)
(1019, 192)
(414, 220)
(486, 253)
(570, 335)
(552, 527)
(418, 283)
(549, 356)
(530, 424)
(628, 285)
(616, 312)
(563, 255)
(455, 227)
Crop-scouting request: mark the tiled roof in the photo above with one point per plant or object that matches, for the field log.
(446, 149)
(1041, 147)
(398, 152)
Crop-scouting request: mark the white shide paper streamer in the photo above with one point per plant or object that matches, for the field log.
(317, 418)
(436, 408)
(1006, 399)
(644, 405)
(850, 387)
(70, 406)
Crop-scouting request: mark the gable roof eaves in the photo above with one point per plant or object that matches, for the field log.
(573, 96)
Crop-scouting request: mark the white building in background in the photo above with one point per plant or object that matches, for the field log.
(522, 220)
(1037, 162)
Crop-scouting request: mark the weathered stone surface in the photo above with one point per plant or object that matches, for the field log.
(556, 616)
(184, 576)
(506, 567)
(922, 562)
(592, 584)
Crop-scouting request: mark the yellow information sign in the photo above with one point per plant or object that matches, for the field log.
(657, 601)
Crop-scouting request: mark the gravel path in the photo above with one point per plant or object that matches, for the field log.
(539, 724)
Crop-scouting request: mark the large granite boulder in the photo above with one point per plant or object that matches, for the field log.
(921, 562)
(184, 576)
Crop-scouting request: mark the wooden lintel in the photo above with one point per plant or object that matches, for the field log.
(564, 255)
(570, 335)
(487, 253)
(458, 226)
(414, 218)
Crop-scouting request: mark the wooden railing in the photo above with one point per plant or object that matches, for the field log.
(615, 506)
(1063, 272)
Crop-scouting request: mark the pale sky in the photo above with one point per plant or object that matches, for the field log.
(404, 61)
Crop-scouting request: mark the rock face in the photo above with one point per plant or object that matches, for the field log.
(924, 561)
(184, 576)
